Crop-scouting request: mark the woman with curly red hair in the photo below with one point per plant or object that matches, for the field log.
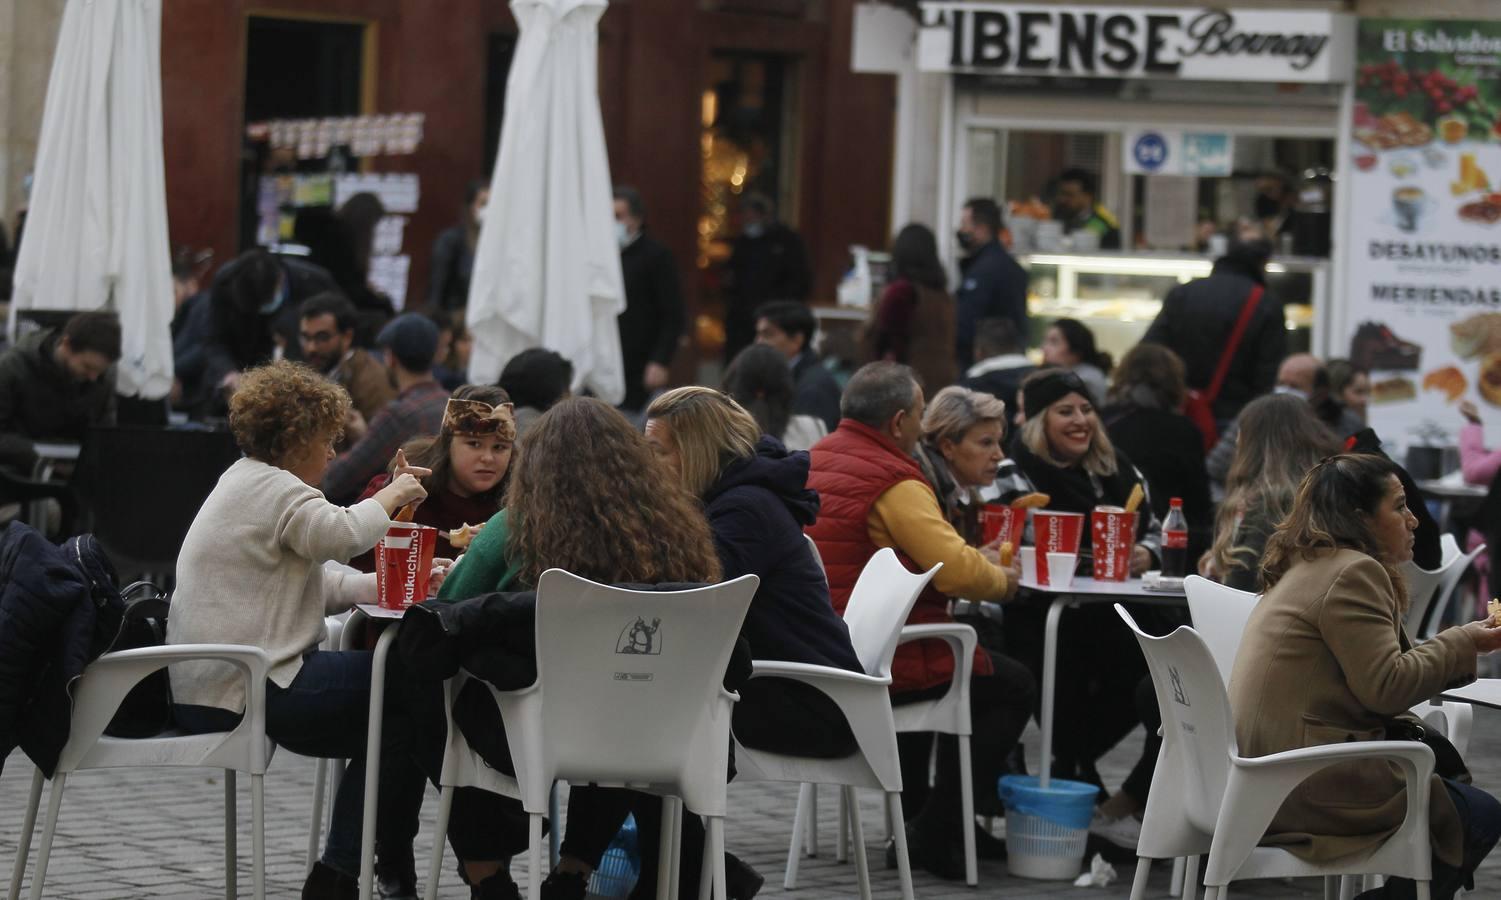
(251, 571)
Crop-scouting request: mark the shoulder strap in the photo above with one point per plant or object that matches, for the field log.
(1241, 324)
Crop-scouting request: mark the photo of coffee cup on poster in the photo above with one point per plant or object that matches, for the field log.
(1423, 273)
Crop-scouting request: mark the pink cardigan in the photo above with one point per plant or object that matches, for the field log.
(1478, 464)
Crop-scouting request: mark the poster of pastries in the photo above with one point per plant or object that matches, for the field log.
(1423, 275)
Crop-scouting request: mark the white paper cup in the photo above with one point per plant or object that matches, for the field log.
(1028, 558)
(1061, 569)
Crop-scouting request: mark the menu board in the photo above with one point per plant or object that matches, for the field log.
(1423, 266)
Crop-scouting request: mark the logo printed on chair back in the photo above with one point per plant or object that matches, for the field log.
(640, 639)
(1178, 694)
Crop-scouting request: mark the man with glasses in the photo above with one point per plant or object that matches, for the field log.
(326, 332)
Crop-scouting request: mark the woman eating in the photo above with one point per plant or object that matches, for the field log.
(963, 431)
(251, 571)
(1324, 660)
(468, 461)
(1278, 442)
(1064, 452)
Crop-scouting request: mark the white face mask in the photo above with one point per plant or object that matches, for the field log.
(622, 234)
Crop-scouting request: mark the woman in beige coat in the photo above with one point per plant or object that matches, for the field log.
(1324, 660)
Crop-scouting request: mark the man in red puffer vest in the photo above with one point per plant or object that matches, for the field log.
(872, 496)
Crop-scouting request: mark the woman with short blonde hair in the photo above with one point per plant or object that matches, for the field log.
(961, 448)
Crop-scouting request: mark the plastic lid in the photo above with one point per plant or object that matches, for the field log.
(1176, 501)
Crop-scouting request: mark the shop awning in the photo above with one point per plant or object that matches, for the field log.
(547, 268)
(96, 229)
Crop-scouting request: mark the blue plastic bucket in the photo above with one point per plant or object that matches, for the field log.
(1046, 828)
(620, 867)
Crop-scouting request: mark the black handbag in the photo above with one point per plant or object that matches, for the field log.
(1447, 763)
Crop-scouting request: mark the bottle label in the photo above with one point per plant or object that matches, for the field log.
(1175, 540)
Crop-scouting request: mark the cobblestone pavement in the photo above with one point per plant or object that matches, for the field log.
(159, 834)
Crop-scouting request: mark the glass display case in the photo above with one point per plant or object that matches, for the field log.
(1118, 295)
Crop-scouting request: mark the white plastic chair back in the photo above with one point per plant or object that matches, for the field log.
(1219, 615)
(1443, 593)
(629, 690)
(1197, 734)
(878, 607)
(1423, 585)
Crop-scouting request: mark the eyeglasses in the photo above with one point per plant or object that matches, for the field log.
(479, 417)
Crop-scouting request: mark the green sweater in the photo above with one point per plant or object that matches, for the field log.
(484, 568)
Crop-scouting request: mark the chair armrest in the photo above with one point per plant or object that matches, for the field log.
(812, 674)
(1257, 788)
(99, 691)
(962, 640)
(863, 700)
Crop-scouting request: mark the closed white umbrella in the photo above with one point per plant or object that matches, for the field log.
(547, 268)
(96, 229)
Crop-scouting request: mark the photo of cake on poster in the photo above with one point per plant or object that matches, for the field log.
(1423, 269)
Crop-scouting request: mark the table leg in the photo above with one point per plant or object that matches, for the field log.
(1049, 686)
(372, 758)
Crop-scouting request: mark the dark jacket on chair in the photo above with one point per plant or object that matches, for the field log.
(50, 630)
(493, 637)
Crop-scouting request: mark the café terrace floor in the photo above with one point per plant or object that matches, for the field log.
(158, 834)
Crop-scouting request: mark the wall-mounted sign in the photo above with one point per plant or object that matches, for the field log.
(1135, 42)
(1165, 151)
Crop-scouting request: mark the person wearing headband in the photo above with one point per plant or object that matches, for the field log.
(1063, 451)
(464, 469)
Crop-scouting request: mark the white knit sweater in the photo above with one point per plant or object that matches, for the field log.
(251, 572)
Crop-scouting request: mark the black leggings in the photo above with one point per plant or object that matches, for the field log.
(1000, 705)
(1099, 668)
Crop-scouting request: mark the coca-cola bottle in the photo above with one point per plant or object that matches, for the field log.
(1175, 541)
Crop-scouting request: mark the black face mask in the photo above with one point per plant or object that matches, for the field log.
(1266, 207)
(967, 241)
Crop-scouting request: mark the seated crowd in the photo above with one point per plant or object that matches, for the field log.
(787, 476)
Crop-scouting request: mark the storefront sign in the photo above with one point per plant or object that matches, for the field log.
(1159, 151)
(1135, 42)
(1423, 269)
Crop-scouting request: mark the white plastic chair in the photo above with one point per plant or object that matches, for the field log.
(1231, 800)
(620, 703)
(882, 598)
(1431, 590)
(1219, 615)
(97, 695)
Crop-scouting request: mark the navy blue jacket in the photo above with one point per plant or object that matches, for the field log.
(816, 393)
(757, 510)
(994, 286)
(50, 630)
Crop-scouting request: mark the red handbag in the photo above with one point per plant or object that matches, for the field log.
(1199, 406)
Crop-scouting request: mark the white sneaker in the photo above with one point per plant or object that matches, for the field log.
(1123, 832)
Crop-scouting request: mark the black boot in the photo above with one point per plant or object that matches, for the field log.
(565, 886)
(395, 878)
(741, 881)
(327, 883)
(497, 887)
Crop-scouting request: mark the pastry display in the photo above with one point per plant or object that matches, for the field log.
(1449, 381)
(1393, 390)
(1489, 380)
(1376, 347)
(1476, 336)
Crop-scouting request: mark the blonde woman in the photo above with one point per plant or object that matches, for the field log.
(963, 435)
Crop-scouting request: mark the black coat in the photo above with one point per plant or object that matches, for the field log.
(1169, 450)
(757, 511)
(773, 266)
(1196, 321)
(39, 400)
(654, 315)
(993, 286)
(50, 630)
(452, 268)
(493, 637)
(239, 339)
(816, 393)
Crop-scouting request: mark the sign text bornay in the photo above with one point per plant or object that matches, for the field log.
(1135, 42)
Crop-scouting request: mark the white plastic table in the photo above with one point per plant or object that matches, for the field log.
(1082, 592)
(1446, 491)
(1480, 692)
